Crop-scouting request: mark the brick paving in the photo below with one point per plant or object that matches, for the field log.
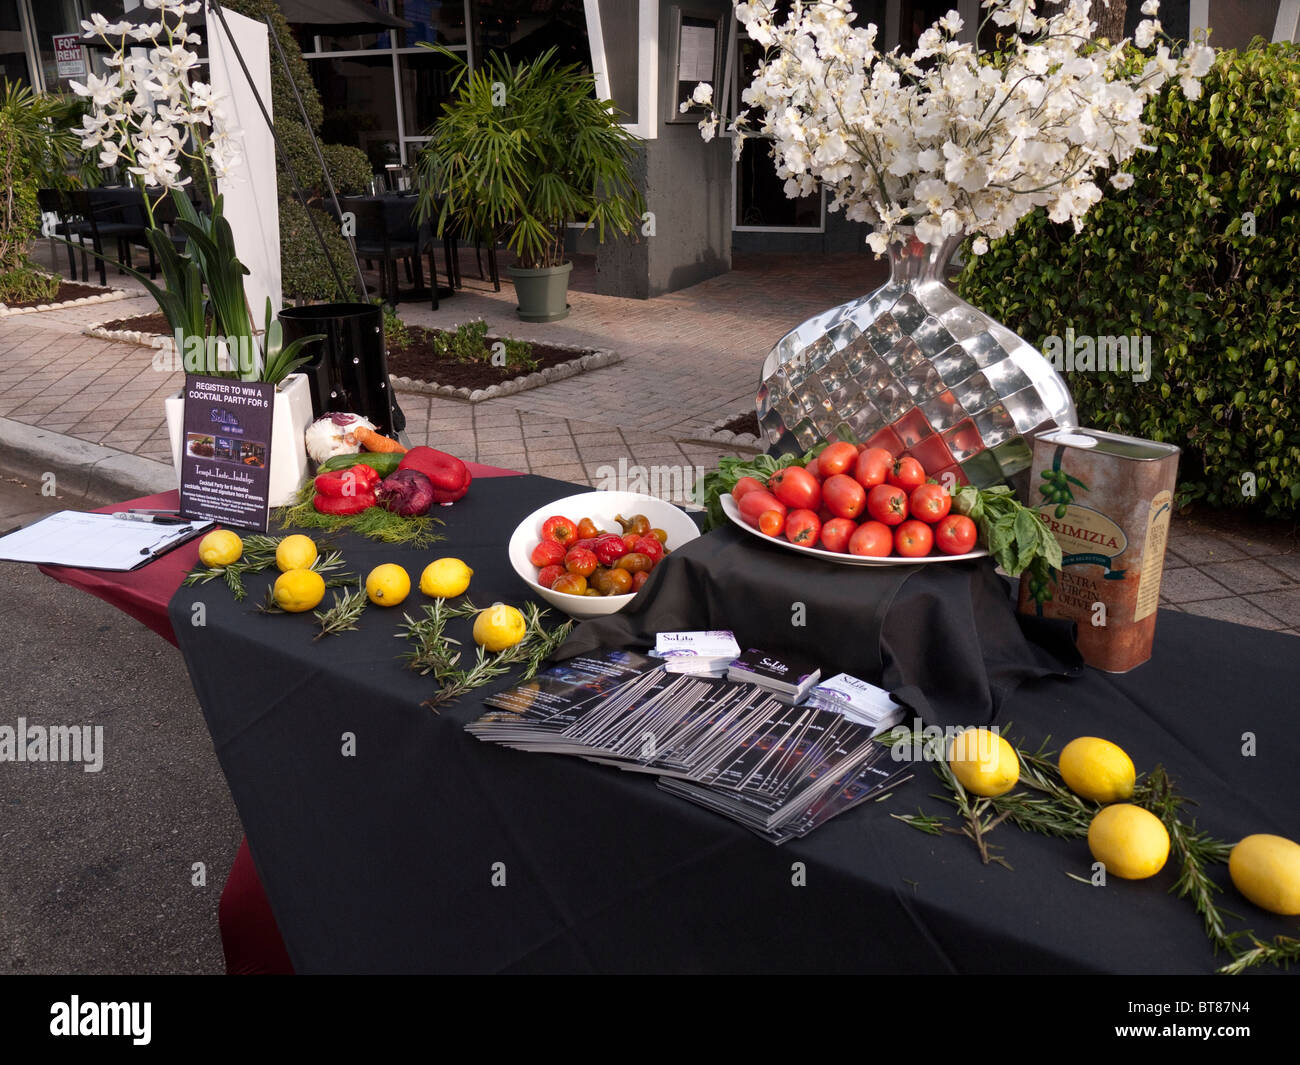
(690, 360)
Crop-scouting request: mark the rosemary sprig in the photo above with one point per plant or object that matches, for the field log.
(1052, 809)
(268, 605)
(437, 653)
(343, 615)
(259, 555)
(1283, 950)
(1192, 849)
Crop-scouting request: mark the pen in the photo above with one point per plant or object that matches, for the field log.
(155, 519)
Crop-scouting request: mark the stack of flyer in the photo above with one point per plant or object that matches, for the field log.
(706, 653)
(859, 701)
(735, 748)
(789, 676)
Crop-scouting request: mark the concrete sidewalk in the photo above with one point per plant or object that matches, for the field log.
(92, 409)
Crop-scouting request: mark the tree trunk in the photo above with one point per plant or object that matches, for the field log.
(1109, 20)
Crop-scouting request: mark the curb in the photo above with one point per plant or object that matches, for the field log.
(87, 469)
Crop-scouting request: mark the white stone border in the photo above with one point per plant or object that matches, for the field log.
(592, 361)
(715, 434)
(112, 295)
(131, 336)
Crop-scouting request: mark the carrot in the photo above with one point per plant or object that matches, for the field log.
(373, 441)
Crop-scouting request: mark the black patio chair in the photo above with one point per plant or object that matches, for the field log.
(113, 214)
(53, 204)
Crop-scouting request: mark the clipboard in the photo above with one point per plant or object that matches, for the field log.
(95, 541)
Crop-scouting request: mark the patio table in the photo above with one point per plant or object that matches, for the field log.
(389, 840)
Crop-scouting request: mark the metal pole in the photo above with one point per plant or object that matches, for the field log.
(297, 186)
(320, 157)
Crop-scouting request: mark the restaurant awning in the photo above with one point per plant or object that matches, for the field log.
(339, 14)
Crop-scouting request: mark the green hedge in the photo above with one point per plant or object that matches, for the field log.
(305, 274)
(1172, 257)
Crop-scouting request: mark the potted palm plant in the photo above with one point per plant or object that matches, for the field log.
(521, 151)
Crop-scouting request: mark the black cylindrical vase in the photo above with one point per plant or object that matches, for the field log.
(348, 370)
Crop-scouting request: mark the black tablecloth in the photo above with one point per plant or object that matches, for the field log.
(939, 635)
(428, 850)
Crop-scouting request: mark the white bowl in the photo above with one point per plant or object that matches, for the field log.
(600, 507)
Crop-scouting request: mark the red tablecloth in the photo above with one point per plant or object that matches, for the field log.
(144, 593)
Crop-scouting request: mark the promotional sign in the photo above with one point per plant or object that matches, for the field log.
(69, 55)
(226, 451)
(252, 200)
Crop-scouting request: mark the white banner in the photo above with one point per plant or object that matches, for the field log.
(249, 193)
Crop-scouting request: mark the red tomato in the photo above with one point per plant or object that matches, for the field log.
(771, 522)
(757, 503)
(650, 545)
(814, 467)
(871, 539)
(803, 527)
(796, 488)
(559, 529)
(872, 466)
(955, 535)
(844, 497)
(744, 486)
(887, 504)
(581, 560)
(547, 553)
(906, 473)
(930, 502)
(639, 579)
(836, 534)
(839, 457)
(548, 575)
(913, 539)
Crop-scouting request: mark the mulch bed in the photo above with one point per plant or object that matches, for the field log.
(68, 291)
(142, 323)
(742, 423)
(417, 361)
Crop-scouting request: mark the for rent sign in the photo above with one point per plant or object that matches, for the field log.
(70, 56)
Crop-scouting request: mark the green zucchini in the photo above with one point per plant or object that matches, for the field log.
(383, 463)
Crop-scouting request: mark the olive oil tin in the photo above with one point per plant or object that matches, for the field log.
(1108, 499)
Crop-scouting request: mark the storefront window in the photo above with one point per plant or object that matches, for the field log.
(55, 18)
(360, 106)
(13, 48)
(432, 21)
(522, 29)
(426, 86)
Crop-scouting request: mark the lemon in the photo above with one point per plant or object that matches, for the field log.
(220, 548)
(297, 590)
(499, 627)
(1097, 770)
(295, 552)
(388, 585)
(445, 578)
(1130, 841)
(1266, 869)
(983, 762)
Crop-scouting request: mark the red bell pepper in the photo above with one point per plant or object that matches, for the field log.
(449, 476)
(344, 505)
(348, 482)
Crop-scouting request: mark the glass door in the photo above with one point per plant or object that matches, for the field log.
(13, 45)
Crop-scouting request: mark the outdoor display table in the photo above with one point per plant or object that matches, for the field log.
(390, 840)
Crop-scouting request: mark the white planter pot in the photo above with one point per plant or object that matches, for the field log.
(289, 422)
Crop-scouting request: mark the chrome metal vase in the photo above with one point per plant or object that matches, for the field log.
(913, 368)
